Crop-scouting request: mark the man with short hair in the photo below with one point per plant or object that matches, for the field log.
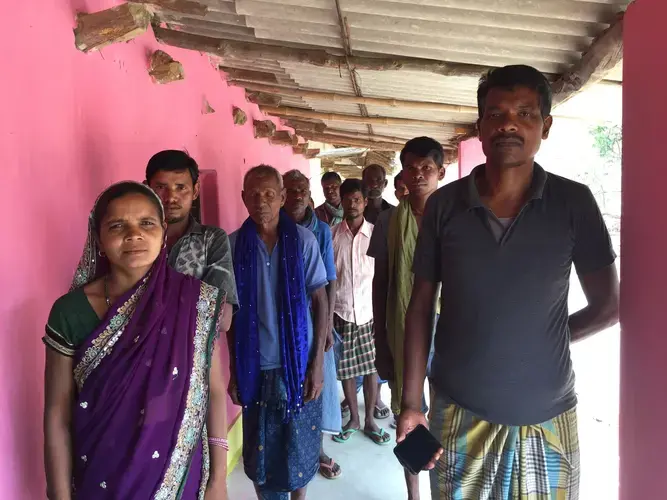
(330, 211)
(400, 189)
(353, 317)
(194, 249)
(277, 341)
(297, 191)
(374, 177)
(392, 246)
(501, 242)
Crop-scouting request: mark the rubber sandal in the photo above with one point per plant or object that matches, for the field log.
(330, 467)
(343, 437)
(380, 438)
(381, 413)
(394, 423)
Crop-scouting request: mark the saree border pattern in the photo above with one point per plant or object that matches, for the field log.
(196, 409)
(103, 344)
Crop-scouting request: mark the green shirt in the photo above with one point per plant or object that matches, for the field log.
(71, 320)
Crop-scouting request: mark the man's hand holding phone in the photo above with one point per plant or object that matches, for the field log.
(414, 440)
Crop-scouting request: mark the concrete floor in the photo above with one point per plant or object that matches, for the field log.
(370, 472)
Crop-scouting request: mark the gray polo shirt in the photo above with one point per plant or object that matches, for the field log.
(204, 252)
(502, 346)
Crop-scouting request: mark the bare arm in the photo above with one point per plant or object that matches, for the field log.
(418, 325)
(58, 400)
(331, 296)
(227, 313)
(383, 358)
(315, 380)
(217, 420)
(602, 293)
(232, 388)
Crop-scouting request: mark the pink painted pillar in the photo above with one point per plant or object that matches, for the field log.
(643, 435)
(470, 155)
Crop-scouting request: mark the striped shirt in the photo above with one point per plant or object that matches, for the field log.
(354, 269)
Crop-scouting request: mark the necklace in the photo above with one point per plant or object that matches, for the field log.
(106, 291)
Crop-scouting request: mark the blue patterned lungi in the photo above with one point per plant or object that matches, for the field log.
(280, 457)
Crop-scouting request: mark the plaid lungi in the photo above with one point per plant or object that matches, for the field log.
(357, 356)
(485, 461)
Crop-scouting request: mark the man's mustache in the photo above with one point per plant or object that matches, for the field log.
(508, 138)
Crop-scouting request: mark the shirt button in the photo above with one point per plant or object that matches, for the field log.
(268, 263)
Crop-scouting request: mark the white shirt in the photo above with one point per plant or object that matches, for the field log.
(354, 270)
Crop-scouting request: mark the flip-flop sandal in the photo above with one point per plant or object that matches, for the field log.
(345, 411)
(394, 423)
(380, 438)
(343, 437)
(381, 413)
(333, 470)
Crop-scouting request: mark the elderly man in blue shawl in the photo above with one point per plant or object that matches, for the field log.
(276, 347)
(297, 190)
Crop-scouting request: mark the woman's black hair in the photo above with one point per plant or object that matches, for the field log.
(172, 160)
(350, 186)
(424, 147)
(511, 77)
(118, 191)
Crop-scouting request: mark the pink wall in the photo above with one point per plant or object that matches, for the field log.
(470, 155)
(643, 439)
(71, 124)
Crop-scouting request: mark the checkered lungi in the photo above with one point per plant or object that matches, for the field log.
(357, 354)
(486, 461)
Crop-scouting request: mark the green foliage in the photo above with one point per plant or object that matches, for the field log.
(609, 142)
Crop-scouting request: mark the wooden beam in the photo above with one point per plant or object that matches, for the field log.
(118, 24)
(266, 90)
(284, 138)
(263, 99)
(604, 54)
(337, 140)
(300, 149)
(311, 153)
(181, 6)
(339, 117)
(318, 127)
(364, 135)
(250, 51)
(247, 74)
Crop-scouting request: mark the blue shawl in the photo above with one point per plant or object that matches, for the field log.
(310, 222)
(292, 313)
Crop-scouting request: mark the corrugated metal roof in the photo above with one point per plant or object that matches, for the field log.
(551, 35)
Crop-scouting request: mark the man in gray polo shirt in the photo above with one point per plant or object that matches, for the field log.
(194, 249)
(502, 242)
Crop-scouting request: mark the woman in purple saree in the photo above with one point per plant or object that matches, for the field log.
(131, 369)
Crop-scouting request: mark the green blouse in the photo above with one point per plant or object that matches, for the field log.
(71, 320)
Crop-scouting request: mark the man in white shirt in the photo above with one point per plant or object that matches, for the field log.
(353, 312)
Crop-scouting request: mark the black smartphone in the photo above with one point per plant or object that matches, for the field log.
(417, 450)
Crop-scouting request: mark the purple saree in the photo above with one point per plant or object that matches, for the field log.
(139, 421)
